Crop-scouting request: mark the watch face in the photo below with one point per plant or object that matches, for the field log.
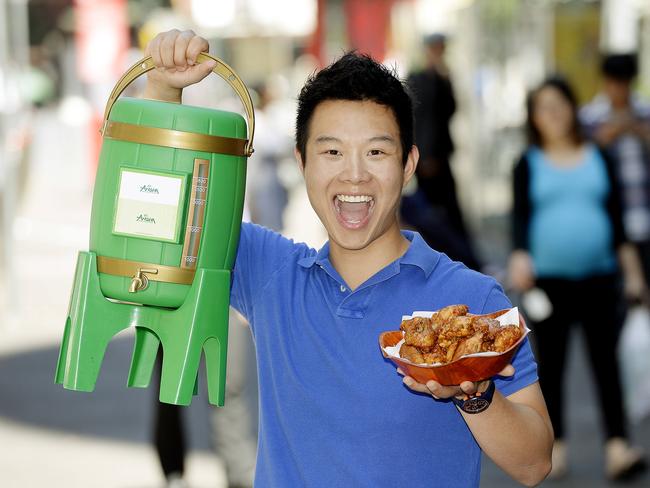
(475, 405)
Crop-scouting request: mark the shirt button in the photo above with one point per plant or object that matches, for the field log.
(343, 289)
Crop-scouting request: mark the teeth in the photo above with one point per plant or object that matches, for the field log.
(354, 198)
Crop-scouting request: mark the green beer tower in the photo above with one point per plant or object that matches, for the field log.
(166, 216)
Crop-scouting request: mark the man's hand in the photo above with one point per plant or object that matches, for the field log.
(174, 53)
(520, 271)
(635, 288)
(439, 392)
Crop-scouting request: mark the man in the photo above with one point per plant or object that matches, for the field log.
(619, 122)
(434, 210)
(331, 411)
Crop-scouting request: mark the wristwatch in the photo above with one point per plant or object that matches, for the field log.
(476, 403)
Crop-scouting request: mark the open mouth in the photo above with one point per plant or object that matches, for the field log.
(353, 211)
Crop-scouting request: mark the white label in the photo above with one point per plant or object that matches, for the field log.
(148, 205)
(146, 187)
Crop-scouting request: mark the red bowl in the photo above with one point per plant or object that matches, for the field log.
(467, 368)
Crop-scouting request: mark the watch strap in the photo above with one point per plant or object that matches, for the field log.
(476, 403)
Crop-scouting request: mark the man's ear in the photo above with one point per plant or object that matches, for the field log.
(411, 164)
(299, 161)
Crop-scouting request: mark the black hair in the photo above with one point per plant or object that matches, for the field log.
(621, 67)
(563, 87)
(355, 77)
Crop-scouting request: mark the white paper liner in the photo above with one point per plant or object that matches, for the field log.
(510, 317)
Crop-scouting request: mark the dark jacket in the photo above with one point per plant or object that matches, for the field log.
(434, 106)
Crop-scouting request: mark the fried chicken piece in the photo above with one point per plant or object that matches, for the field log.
(411, 353)
(493, 329)
(424, 355)
(455, 330)
(436, 355)
(447, 313)
(505, 337)
(449, 356)
(470, 345)
(419, 331)
(485, 324)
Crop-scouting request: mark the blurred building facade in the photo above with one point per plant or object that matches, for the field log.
(497, 50)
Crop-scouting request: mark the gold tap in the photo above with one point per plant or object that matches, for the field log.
(139, 281)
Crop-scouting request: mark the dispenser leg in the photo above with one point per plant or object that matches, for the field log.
(179, 370)
(63, 353)
(215, 362)
(144, 358)
(92, 324)
(215, 292)
(203, 318)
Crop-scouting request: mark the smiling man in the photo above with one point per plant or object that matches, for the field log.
(332, 410)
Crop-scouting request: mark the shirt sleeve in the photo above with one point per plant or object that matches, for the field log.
(523, 360)
(260, 254)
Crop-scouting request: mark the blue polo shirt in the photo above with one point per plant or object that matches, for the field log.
(333, 411)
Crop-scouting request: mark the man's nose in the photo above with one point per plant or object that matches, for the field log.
(356, 170)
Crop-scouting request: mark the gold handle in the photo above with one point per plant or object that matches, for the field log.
(221, 69)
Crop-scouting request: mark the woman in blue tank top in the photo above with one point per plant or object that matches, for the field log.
(568, 239)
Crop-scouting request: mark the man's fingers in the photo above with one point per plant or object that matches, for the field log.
(507, 371)
(433, 388)
(196, 46)
(153, 50)
(205, 68)
(440, 391)
(468, 387)
(194, 74)
(167, 48)
(180, 48)
(414, 385)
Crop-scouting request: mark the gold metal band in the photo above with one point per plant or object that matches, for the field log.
(167, 274)
(174, 138)
(221, 69)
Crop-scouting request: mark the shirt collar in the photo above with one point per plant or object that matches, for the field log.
(322, 256)
(418, 254)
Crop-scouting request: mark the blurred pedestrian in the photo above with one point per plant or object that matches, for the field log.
(266, 195)
(234, 426)
(619, 121)
(567, 232)
(433, 209)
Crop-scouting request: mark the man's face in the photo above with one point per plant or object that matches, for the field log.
(354, 172)
(435, 52)
(618, 91)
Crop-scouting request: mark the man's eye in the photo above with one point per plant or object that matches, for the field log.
(332, 152)
(375, 152)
